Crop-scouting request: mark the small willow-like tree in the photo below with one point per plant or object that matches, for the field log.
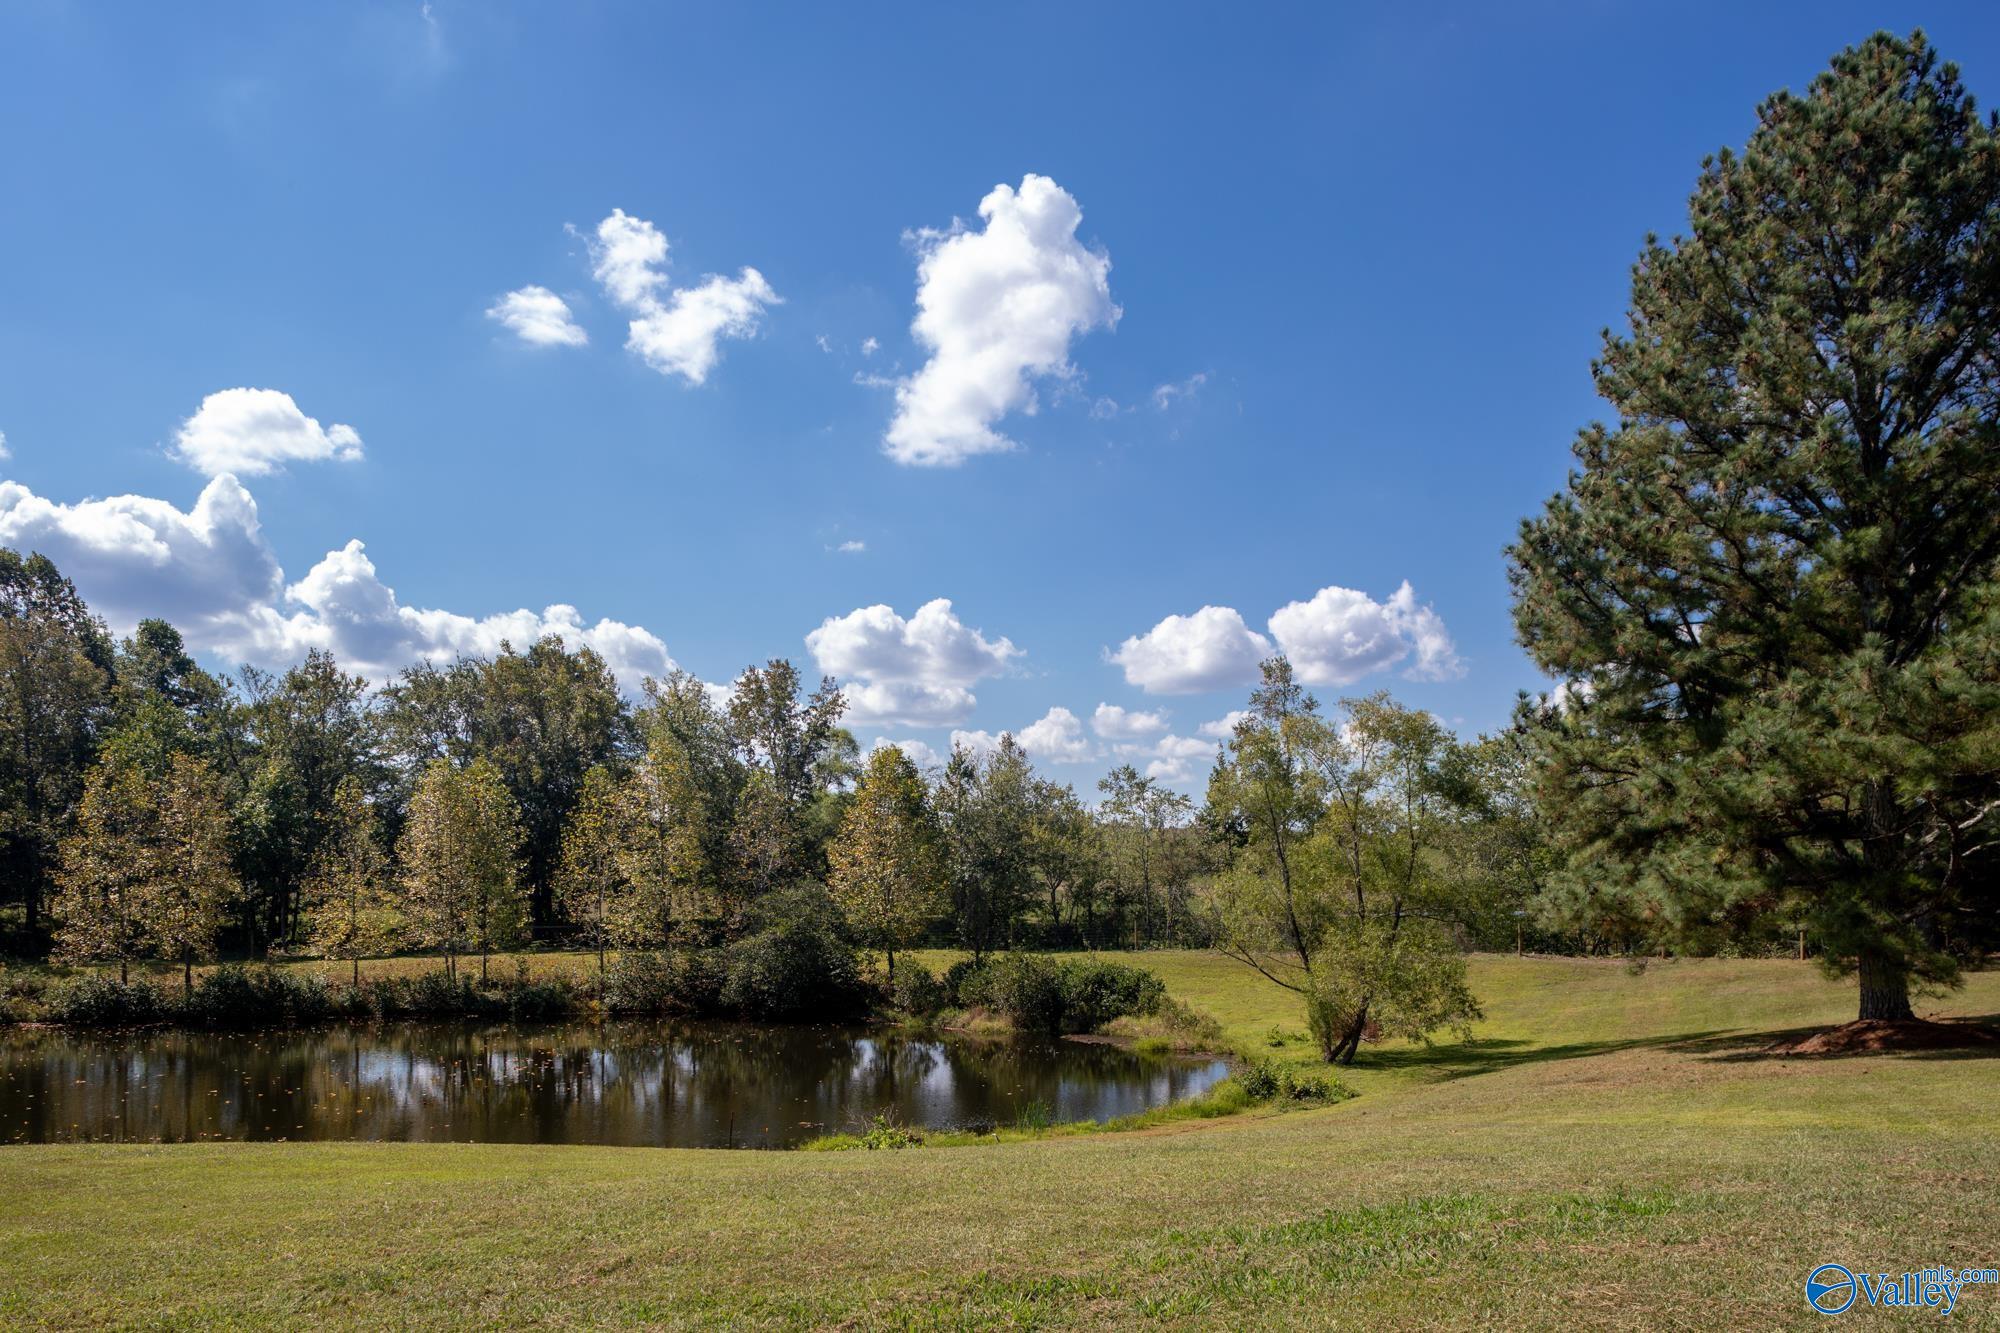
(1340, 889)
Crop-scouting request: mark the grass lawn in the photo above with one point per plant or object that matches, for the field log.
(1611, 1149)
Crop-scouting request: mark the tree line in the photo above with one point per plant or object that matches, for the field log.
(152, 809)
(155, 810)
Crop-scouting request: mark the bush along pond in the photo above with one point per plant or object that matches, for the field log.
(669, 1050)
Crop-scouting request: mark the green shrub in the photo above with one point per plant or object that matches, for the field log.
(1095, 993)
(796, 965)
(965, 984)
(95, 1000)
(1263, 1081)
(885, 1133)
(1050, 997)
(375, 997)
(436, 994)
(433, 994)
(685, 981)
(1259, 1080)
(1030, 991)
(540, 1001)
(914, 991)
(1225, 1098)
(240, 997)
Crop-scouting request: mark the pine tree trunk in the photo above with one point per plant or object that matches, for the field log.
(1885, 988)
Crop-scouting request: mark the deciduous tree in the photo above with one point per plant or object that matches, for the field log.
(194, 878)
(887, 860)
(461, 872)
(1338, 890)
(55, 679)
(311, 729)
(591, 884)
(147, 872)
(987, 810)
(105, 871)
(350, 910)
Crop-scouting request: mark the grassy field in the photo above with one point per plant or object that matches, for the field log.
(1612, 1149)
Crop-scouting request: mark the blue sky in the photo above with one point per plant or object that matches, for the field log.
(1324, 323)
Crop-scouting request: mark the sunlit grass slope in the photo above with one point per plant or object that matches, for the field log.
(1611, 1150)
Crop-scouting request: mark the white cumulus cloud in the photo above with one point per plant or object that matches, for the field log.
(1180, 758)
(1222, 728)
(539, 317)
(910, 703)
(1335, 637)
(1340, 635)
(681, 337)
(1121, 724)
(997, 308)
(676, 332)
(915, 671)
(211, 572)
(979, 742)
(1210, 650)
(1056, 738)
(250, 432)
(629, 259)
(350, 611)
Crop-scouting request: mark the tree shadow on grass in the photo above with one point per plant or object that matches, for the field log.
(1756, 1047)
(1485, 1055)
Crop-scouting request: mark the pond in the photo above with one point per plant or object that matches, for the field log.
(692, 1085)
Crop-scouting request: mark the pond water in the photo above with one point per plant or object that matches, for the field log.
(700, 1085)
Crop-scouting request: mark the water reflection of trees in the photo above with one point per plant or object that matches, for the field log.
(705, 1084)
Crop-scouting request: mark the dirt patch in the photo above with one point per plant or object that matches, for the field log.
(1870, 1035)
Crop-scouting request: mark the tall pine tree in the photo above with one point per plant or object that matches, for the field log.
(1770, 583)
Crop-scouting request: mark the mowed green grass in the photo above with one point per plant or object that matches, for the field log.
(1610, 1150)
